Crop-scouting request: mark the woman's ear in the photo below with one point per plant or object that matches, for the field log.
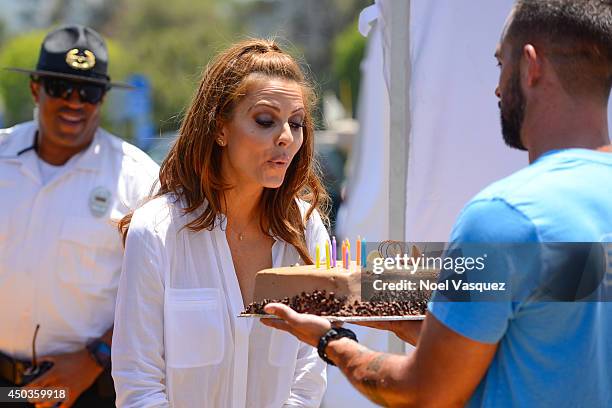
(221, 138)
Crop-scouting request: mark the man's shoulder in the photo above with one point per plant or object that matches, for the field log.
(10, 140)
(494, 220)
(549, 177)
(561, 189)
(500, 211)
(509, 188)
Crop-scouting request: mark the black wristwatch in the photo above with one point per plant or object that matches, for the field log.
(333, 334)
(101, 352)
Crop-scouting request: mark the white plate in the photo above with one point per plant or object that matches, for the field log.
(348, 319)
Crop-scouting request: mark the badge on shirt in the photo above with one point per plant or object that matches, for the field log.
(99, 201)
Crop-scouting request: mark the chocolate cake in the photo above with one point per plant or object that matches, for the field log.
(279, 283)
(338, 291)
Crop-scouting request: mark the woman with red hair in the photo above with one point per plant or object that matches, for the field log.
(239, 192)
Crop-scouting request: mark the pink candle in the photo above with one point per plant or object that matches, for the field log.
(334, 248)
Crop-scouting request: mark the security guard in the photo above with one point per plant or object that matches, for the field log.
(64, 182)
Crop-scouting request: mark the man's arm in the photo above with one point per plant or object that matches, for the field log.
(108, 336)
(444, 370)
(407, 330)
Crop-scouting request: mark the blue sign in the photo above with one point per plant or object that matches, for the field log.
(138, 110)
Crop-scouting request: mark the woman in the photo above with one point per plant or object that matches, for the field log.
(238, 193)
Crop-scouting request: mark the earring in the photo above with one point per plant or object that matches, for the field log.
(220, 142)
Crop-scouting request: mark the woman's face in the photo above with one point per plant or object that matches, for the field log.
(263, 134)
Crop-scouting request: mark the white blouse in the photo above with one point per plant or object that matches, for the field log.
(177, 339)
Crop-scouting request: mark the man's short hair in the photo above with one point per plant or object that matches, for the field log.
(575, 35)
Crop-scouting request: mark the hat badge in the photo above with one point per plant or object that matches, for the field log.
(83, 62)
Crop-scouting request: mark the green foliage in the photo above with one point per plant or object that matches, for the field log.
(349, 49)
(171, 45)
(121, 62)
(21, 52)
(2, 32)
(120, 66)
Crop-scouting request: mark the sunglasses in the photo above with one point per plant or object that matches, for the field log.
(62, 88)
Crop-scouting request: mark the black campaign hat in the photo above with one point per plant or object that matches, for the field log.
(73, 52)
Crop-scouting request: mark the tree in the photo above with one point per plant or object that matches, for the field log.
(171, 45)
(349, 48)
(311, 27)
(2, 32)
(21, 52)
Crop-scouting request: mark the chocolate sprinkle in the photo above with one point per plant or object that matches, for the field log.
(327, 304)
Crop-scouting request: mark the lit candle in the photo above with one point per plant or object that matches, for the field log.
(343, 254)
(333, 249)
(348, 253)
(358, 255)
(348, 259)
(318, 256)
(346, 256)
(327, 254)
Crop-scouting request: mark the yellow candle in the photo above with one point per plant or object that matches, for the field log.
(318, 256)
(327, 255)
(348, 254)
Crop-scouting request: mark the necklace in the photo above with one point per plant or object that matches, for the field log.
(240, 234)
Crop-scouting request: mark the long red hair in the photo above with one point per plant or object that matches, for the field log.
(192, 169)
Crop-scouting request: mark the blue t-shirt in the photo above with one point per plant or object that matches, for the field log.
(551, 354)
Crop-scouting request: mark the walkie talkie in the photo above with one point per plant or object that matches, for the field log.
(35, 370)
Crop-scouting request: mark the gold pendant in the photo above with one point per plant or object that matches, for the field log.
(240, 236)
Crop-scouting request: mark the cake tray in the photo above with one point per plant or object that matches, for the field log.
(348, 319)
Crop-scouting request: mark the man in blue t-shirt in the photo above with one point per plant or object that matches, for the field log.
(556, 73)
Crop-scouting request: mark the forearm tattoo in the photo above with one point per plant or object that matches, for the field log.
(371, 381)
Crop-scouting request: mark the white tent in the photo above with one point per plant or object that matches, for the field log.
(429, 135)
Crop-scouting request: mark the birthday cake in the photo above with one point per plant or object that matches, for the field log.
(337, 290)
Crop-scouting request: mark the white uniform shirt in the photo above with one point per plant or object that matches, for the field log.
(60, 253)
(177, 339)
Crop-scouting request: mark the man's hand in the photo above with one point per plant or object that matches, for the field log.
(305, 326)
(75, 371)
(308, 328)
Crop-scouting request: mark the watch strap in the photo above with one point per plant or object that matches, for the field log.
(333, 334)
(101, 352)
